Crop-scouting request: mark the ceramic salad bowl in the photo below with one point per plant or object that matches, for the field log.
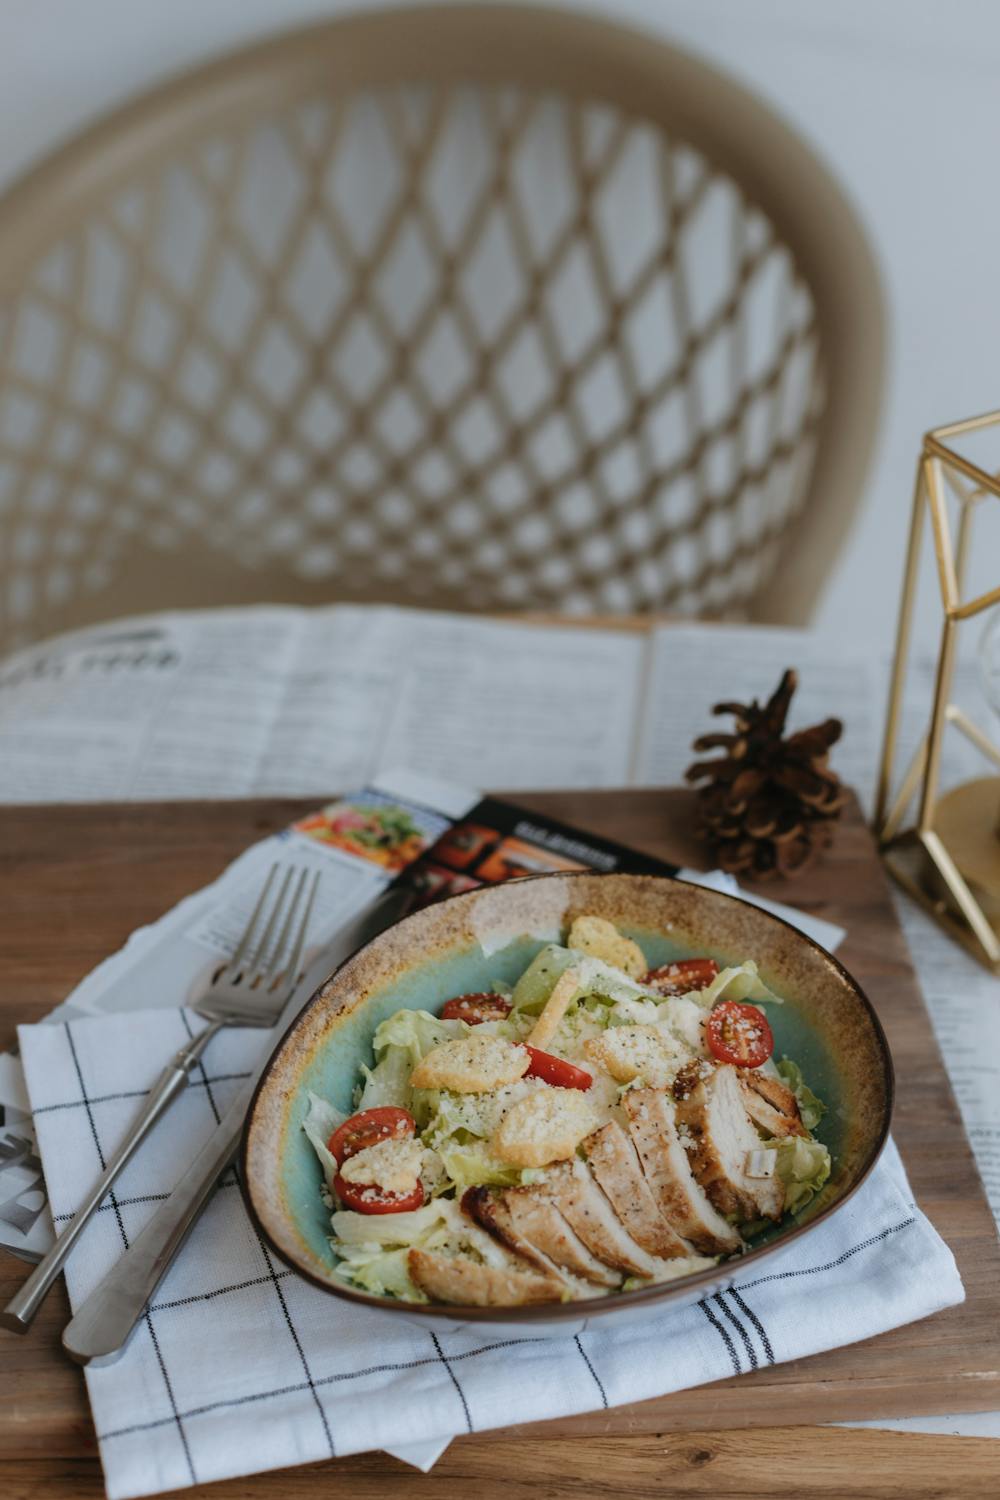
(486, 937)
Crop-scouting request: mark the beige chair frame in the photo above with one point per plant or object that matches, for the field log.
(584, 58)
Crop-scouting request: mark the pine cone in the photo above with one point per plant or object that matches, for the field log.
(767, 805)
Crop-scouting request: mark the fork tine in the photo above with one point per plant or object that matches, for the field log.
(292, 967)
(260, 947)
(248, 931)
(281, 941)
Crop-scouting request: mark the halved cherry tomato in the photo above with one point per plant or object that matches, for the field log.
(365, 1198)
(739, 1034)
(474, 1009)
(555, 1070)
(367, 1128)
(683, 975)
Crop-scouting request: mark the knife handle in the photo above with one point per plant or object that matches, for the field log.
(19, 1314)
(99, 1332)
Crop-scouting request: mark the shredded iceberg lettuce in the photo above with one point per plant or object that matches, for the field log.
(803, 1166)
(459, 1127)
(399, 1044)
(372, 1249)
(600, 986)
(811, 1108)
(741, 982)
(319, 1124)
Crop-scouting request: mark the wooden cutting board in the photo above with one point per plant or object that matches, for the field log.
(74, 882)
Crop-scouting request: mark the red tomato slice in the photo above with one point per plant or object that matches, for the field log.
(365, 1198)
(555, 1070)
(367, 1128)
(683, 975)
(474, 1009)
(738, 1034)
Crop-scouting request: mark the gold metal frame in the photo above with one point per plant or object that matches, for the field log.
(918, 856)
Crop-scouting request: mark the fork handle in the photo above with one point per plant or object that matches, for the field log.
(20, 1311)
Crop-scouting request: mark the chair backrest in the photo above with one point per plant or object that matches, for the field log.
(483, 308)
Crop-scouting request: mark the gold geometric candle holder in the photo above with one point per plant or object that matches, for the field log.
(948, 855)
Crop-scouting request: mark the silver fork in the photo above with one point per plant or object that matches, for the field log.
(250, 990)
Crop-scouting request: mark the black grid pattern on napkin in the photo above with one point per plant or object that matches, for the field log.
(272, 1275)
(736, 1317)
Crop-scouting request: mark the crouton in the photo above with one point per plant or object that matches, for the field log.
(556, 1007)
(471, 1065)
(392, 1165)
(547, 1126)
(601, 939)
(651, 1053)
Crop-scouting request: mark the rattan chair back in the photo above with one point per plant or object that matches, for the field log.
(481, 308)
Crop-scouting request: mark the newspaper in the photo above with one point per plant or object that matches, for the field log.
(282, 701)
(274, 700)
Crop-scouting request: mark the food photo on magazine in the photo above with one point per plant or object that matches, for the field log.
(499, 751)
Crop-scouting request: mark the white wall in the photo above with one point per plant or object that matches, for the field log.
(898, 95)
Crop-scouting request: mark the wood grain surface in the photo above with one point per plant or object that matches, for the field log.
(74, 882)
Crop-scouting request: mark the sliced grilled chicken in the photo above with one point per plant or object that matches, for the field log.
(488, 1209)
(770, 1103)
(681, 1200)
(588, 1212)
(616, 1167)
(711, 1111)
(456, 1278)
(527, 1220)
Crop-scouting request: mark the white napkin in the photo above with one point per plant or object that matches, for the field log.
(240, 1366)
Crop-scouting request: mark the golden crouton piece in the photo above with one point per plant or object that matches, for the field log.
(471, 1065)
(556, 1007)
(547, 1126)
(601, 939)
(627, 1052)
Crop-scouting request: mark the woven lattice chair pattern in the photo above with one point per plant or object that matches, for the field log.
(484, 309)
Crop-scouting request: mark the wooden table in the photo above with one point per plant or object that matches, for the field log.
(75, 881)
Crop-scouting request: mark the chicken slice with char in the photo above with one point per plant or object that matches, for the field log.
(588, 1212)
(615, 1165)
(681, 1200)
(771, 1104)
(456, 1278)
(711, 1110)
(526, 1220)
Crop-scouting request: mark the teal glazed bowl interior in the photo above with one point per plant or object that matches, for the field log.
(473, 941)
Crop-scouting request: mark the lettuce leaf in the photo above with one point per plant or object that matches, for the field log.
(803, 1166)
(740, 982)
(371, 1249)
(539, 979)
(811, 1108)
(384, 1273)
(459, 1127)
(600, 986)
(319, 1124)
(474, 1165)
(399, 1043)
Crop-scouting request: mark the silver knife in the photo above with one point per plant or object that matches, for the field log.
(102, 1325)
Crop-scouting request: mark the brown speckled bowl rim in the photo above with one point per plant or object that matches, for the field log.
(554, 1312)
